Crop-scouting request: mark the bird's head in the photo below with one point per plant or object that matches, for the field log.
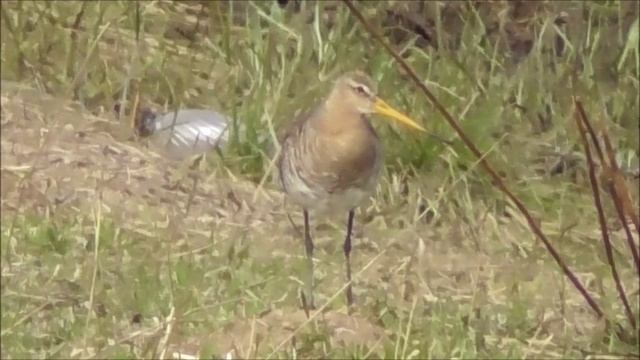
(357, 92)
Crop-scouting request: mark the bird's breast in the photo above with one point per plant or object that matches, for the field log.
(331, 171)
(354, 157)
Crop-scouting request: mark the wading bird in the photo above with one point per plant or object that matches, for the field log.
(331, 158)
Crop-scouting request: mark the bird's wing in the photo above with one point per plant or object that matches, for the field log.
(294, 126)
(286, 135)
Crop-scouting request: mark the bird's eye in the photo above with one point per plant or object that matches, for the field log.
(361, 90)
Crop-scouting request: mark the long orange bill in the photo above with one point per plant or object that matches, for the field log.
(383, 108)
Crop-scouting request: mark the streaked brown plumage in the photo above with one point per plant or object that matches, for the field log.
(331, 157)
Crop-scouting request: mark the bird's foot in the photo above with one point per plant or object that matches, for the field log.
(350, 301)
(307, 303)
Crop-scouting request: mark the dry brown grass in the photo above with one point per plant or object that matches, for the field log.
(452, 269)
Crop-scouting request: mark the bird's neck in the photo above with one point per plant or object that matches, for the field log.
(345, 142)
(340, 121)
(348, 134)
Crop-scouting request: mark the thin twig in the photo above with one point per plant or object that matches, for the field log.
(590, 130)
(408, 330)
(252, 335)
(622, 201)
(620, 185)
(497, 180)
(164, 343)
(96, 247)
(582, 121)
(82, 68)
(613, 165)
(26, 317)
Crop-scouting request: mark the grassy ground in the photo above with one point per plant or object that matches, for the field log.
(109, 250)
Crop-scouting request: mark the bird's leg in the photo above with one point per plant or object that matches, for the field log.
(308, 246)
(347, 256)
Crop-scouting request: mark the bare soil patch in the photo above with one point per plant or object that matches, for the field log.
(57, 158)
